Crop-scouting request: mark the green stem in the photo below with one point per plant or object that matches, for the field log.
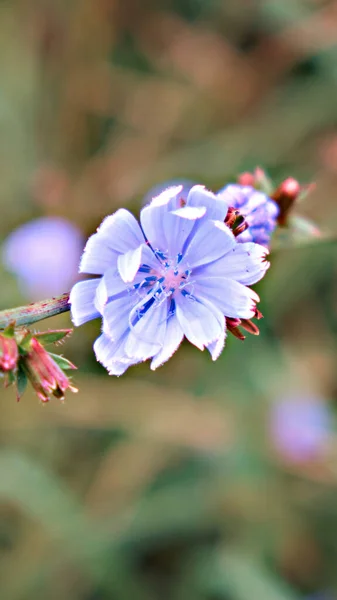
(26, 315)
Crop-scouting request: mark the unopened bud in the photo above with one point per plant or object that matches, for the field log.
(250, 327)
(9, 353)
(285, 195)
(258, 180)
(246, 179)
(45, 375)
(233, 326)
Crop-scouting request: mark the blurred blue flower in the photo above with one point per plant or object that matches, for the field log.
(177, 275)
(44, 255)
(259, 210)
(300, 427)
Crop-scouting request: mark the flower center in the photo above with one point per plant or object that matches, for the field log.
(174, 278)
(164, 281)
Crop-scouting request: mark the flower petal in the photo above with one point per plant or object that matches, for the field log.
(148, 334)
(82, 298)
(118, 368)
(116, 316)
(111, 354)
(118, 234)
(212, 241)
(111, 285)
(173, 338)
(215, 348)
(129, 263)
(231, 297)
(216, 208)
(201, 322)
(190, 212)
(244, 263)
(167, 197)
(153, 216)
(166, 231)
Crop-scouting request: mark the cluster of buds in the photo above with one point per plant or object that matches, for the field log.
(24, 358)
(285, 194)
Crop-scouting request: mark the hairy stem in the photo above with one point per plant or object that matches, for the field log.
(26, 315)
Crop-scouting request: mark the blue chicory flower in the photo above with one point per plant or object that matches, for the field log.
(259, 210)
(178, 274)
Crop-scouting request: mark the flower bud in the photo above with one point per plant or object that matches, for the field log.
(233, 326)
(285, 196)
(246, 178)
(9, 353)
(258, 180)
(45, 375)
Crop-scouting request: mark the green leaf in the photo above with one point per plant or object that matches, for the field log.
(21, 382)
(11, 377)
(51, 337)
(23, 344)
(62, 362)
(9, 331)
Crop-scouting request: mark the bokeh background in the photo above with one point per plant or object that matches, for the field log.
(201, 481)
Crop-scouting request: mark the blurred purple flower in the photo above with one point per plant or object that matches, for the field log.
(44, 255)
(177, 275)
(259, 210)
(300, 427)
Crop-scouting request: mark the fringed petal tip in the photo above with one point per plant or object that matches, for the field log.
(215, 348)
(166, 195)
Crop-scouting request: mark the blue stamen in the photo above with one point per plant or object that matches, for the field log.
(159, 254)
(144, 269)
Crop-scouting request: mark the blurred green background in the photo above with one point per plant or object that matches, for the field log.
(201, 481)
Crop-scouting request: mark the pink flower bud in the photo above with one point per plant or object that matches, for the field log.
(8, 353)
(44, 373)
(290, 187)
(285, 195)
(246, 179)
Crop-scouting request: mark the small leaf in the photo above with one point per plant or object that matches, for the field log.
(11, 378)
(23, 344)
(62, 362)
(51, 337)
(21, 382)
(10, 330)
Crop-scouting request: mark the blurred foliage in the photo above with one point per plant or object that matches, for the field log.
(168, 484)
